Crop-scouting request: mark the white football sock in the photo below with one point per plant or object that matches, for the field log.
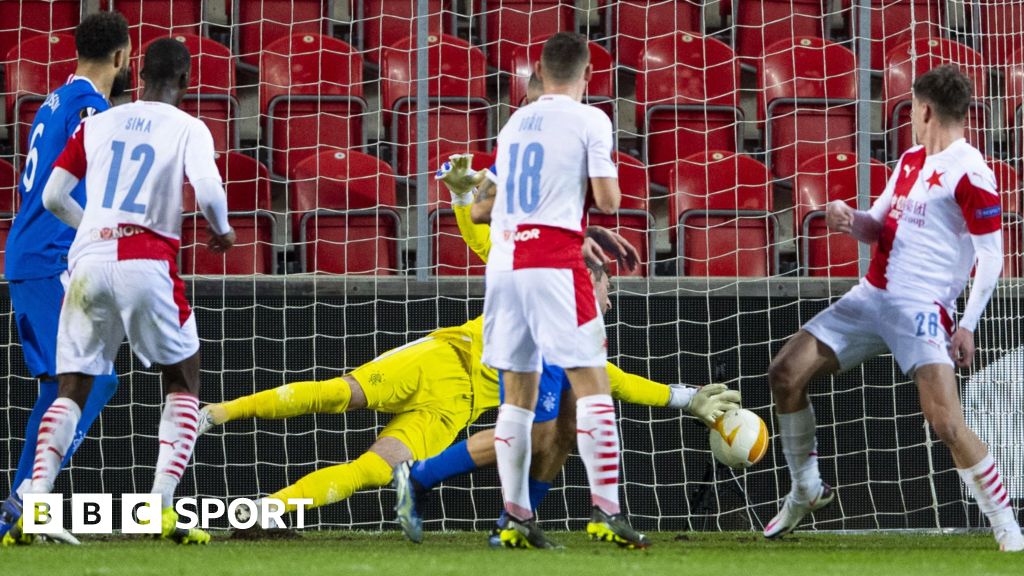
(800, 446)
(177, 437)
(986, 484)
(597, 438)
(56, 432)
(512, 445)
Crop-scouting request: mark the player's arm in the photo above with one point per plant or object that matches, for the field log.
(462, 182)
(864, 225)
(201, 169)
(707, 403)
(979, 202)
(604, 175)
(484, 202)
(67, 171)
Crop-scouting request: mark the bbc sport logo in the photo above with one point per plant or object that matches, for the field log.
(141, 513)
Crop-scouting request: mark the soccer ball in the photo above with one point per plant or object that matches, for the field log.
(739, 439)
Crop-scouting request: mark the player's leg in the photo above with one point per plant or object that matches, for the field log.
(510, 345)
(840, 337)
(37, 306)
(161, 329)
(333, 396)
(940, 402)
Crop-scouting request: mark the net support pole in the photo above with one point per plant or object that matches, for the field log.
(863, 15)
(422, 146)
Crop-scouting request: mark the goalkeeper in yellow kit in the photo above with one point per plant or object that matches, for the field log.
(437, 386)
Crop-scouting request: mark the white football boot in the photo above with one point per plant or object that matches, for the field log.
(793, 512)
(1009, 538)
(205, 420)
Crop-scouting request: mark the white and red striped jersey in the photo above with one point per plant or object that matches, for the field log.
(134, 159)
(547, 152)
(931, 207)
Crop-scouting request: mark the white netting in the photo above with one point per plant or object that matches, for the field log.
(735, 123)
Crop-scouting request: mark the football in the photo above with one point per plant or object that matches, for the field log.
(739, 439)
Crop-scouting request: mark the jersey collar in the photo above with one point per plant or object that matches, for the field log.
(76, 77)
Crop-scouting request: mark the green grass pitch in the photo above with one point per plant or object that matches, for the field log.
(348, 553)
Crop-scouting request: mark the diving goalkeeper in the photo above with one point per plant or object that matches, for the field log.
(435, 387)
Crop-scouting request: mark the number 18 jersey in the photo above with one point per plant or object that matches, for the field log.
(134, 159)
(546, 153)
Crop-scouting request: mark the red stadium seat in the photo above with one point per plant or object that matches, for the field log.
(758, 25)
(894, 22)
(508, 24)
(381, 23)
(23, 19)
(211, 93)
(9, 201)
(723, 205)
(818, 181)
(311, 95)
(911, 59)
(635, 23)
(808, 97)
(247, 184)
(1013, 218)
(459, 115)
(999, 29)
(344, 204)
(32, 70)
(152, 19)
(449, 252)
(600, 89)
(687, 100)
(258, 24)
(633, 220)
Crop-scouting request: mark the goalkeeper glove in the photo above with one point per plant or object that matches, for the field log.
(707, 403)
(460, 178)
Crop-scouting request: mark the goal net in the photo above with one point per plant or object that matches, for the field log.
(735, 123)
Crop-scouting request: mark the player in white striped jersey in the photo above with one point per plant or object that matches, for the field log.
(938, 218)
(539, 298)
(124, 277)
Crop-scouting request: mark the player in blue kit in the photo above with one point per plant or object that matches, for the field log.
(37, 247)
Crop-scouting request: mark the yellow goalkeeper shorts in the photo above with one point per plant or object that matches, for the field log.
(427, 385)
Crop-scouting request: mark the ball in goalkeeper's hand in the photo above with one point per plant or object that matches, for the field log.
(739, 439)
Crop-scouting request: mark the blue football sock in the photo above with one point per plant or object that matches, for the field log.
(455, 460)
(103, 389)
(538, 490)
(47, 394)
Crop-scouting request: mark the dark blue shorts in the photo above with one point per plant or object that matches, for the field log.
(553, 382)
(36, 306)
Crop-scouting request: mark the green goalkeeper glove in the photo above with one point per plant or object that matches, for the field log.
(460, 178)
(710, 402)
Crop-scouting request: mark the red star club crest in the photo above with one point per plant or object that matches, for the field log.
(934, 180)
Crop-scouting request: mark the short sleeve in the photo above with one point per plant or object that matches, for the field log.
(73, 157)
(600, 139)
(880, 207)
(978, 198)
(200, 157)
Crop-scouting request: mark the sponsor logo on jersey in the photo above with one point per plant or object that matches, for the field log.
(107, 233)
(524, 235)
(906, 209)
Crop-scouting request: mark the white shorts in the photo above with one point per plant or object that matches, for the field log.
(105, 301)
(868, 321)
(542, 312)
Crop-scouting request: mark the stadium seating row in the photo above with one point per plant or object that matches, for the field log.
(344, 216)
(311, 94)
(501, 25)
